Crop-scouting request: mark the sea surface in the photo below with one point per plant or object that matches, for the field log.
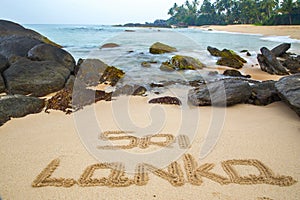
(83, 41)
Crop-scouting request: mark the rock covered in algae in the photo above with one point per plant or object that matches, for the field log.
(160, 48)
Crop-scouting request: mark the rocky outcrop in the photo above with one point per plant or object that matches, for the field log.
(263, 93)
(160, 48)
(228, 57)
(235, 73)
(2, 84)
(289, 90)
(220, 93)
(13, 106)
(10, 29)
(179, 62)
(44, 52)
(269, 63)
(292, 63)
(109, 45)
(166, 100)
(37, 78)
(281, 49)
(112, 75)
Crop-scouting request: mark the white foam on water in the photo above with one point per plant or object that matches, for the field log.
(281, 39)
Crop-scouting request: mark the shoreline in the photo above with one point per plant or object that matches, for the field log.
(292, 31)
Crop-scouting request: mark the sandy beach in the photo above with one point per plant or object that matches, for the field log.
(291, 31)
(269, 135)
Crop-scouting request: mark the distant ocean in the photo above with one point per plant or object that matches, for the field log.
(83, 41)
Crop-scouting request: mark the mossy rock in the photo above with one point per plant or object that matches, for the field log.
(186, 62)
(112, 75)
(160, 48)
(167, 67)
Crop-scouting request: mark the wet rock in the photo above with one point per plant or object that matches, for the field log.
(3, 63)
(89, 71)
(43, 52)
(157, 85)
(228, 57)
(134, 90)
(160, 48)
(37, 78)
(15, 106)
(12, 29)
(17, 45)
(281, 49)
(220, 93)
(166, 100)
(196, 83)
(109, 45)
(235, 73)
(248, 54)
(112, 75)
(269, 63)
(289, 91)
(292, 64)
(167, 67)
(186, 62)
(70, 82)
(263, 93)
(146, 64)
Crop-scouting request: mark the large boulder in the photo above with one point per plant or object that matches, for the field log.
(269, 63)
(3, 63)
(292, 64)
(89, 71)
(43, 52)
(160, 48)
(281, 49)
(289, 90)
(13, 106)
(112, 75)
(220, 93)
(8, 29)
(186, 62)
(228, 58)
(17, 45)
(37, 78)
(263, 93)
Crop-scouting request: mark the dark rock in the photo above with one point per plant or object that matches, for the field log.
(289, 91)
(153, 85)
(43, 52)
(228, 57)
(220, 93)
(109, 45)
(244, 51)
(89, 71)
(8, 29)
(14, 106)
(186, 62)
(146, 64)
(248, 54)
(70, 82)
(130, 31)
(263, 93)
(160, 48)
(292, 64)
(17, 45)
(134, 90)
(196, 83)
(269, 63)
(2, 84)
(3, 63)
(112, 75)
(235, 73)
(139, 91)
(37, 78)
(166, 100)
(281, 49)
(167, 67)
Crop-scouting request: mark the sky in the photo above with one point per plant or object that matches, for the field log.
(85, 11)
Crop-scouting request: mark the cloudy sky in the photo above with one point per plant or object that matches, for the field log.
(85, 11)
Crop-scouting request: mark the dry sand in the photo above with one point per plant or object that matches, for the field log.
(269, 134)
(291, 31)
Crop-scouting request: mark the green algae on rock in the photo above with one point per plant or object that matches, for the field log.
(160, 48)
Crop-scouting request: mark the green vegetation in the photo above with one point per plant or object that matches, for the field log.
(221, 12)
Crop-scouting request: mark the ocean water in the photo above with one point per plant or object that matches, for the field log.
(83, 41)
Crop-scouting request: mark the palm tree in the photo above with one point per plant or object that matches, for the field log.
(268, 6)
(287, 7)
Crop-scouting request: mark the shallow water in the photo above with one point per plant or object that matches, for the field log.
(83, 41)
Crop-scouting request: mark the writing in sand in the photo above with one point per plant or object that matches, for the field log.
(174, 174)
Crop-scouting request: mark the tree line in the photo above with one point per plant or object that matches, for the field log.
(221, 12)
